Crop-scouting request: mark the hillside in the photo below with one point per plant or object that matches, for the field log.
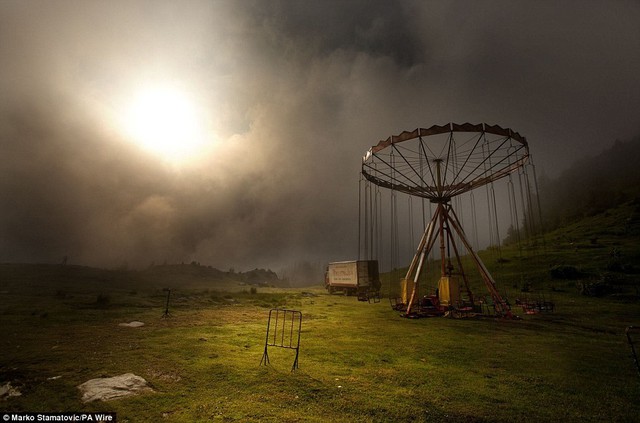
(87, 279)
(601, 251)
(595, 255)
(592, 185)
(591, 215)
(591, 239)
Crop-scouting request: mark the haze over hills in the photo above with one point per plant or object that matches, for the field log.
(592, 185)
(606, 185)
(60, 278)
(601, 184)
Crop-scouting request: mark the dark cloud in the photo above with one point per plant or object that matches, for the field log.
(372, 28)
(294, 93)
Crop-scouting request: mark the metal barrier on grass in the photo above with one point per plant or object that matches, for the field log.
(166, 308)
(283, 331)
(369, 296)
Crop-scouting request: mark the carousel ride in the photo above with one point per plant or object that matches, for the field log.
(438, 165)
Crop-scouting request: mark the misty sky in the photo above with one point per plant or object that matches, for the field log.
(289, 95)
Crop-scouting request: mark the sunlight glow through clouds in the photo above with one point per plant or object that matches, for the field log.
(165, 121)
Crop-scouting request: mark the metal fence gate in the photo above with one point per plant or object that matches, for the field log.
(283, 331)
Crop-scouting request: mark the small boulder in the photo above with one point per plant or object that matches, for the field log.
(110, 388)
(134, 324)
(7, 391)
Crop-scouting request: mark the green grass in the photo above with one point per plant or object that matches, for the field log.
(358, 361)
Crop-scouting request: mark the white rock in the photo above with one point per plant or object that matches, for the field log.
(109, 388)
(134, 324)
(7, 391)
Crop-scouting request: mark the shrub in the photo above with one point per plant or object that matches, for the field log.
(563, 271)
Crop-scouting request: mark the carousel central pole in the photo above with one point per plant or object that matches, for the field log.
(443, 263)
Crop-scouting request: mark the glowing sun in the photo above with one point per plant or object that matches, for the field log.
(165, 121)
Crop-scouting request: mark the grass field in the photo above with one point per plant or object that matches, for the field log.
(358, 361)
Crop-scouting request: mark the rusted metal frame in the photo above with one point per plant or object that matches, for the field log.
(528, 208)
(390, 167)
(515, 208)
(474, 220)
(360, 217)
(425, 192)
(462, 273)
(443, 259)
(474, 156)
(393, 214)
(407, 162)
(284, 322)
(378, 181)
(488, 191)
(446, 165)
(295, 361)
(395, 167)
(429, 245)
(364, 226)
(265, 355)
(507, 132)
(429, 240)
(426, 158)
(373, 219)
(516, 221)
(415, 282)
(535, 183)
(434, 130)
(486, 159)
(532, 221)
(485, 180)
(423, 214)
(484, 272)
(377, 230)
(166, 313)
(467, 127)
(461, 188)
(426, 147)
(468, 156)
(526, 222)
(276, 326)
(486, 276)
(282, 343)
(423, 241)
(450, 127)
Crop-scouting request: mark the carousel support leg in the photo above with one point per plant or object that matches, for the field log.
(486, 276)
(416, 263)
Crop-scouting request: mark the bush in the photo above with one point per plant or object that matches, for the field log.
(563, 271)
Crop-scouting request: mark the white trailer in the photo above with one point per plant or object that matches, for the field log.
(359, 277)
